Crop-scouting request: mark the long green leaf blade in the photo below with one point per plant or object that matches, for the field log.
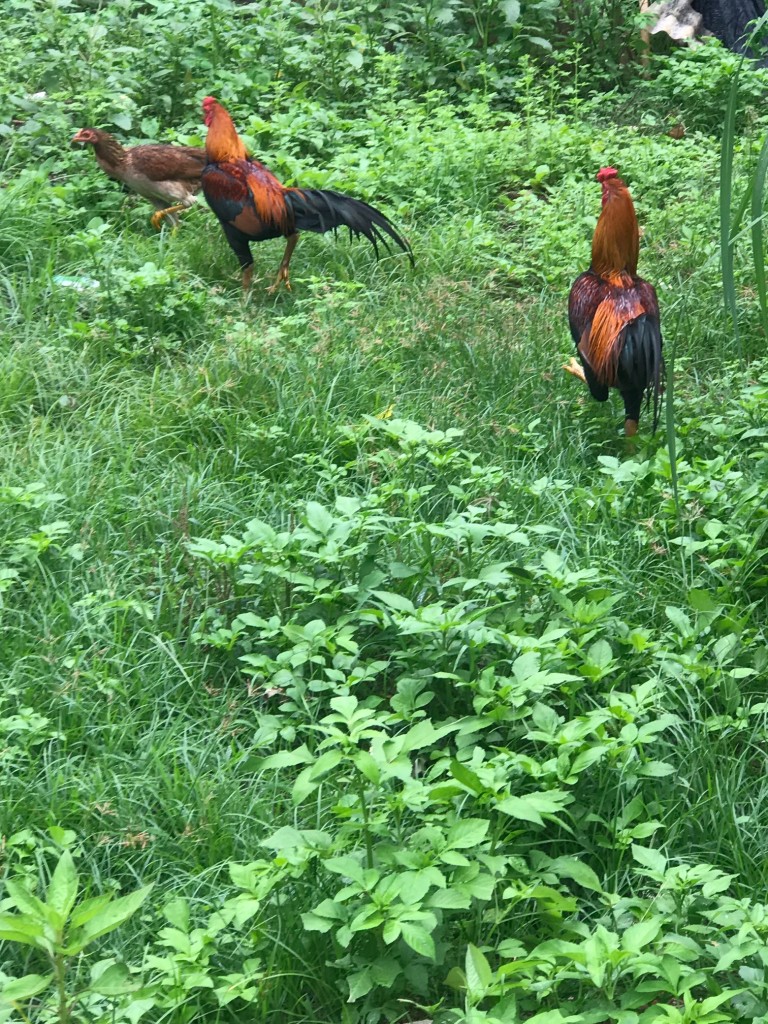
(726, 193)
(758, 188)
(669, 423)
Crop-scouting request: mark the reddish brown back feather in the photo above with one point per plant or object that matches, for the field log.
(611, 317)
(256, 194)
(167, 163)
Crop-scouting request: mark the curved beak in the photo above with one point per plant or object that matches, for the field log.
(78, 140)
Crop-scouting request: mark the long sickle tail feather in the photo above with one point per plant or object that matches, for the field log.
(321, 210)
(641, 363)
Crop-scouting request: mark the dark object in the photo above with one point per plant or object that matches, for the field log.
(614, 315)
(730, 20)
(252, 205)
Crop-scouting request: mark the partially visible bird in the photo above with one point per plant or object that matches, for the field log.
(614, 315)
(252, 205)
(168, 176)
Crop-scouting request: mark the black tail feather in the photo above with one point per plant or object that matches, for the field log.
(641, 363)
(321, 210)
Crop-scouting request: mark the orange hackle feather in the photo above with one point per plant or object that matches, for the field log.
(615, 250)
(224, 146)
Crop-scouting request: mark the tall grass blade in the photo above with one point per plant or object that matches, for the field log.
(669, 423)
(758, 186)
(726, 193)
(728, 231)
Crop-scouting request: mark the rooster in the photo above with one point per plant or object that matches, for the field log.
(252, 205)
(614, 314)
(168, 176)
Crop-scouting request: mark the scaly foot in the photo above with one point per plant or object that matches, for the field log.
(575, 367)
(157, 218)
(283, 277)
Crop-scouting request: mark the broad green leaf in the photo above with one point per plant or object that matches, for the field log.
(87, 909)
(649, 858)
(424, 734)
(600, 654)
(350, 867)
(385, 971)
(456, 979)
(282, 759)
(637, 936)
(177, 912)
(288, 838)
(114, 981)
(412, 886)
(307, 781)
(360, 982)
(30, 905)
(329, 910)
(478, 973)
(518, 807)
(655, 769)
(63, 837)
(480, 887)
(716, 885)
(15, 928)
(355, 58)
(367, 766)
(494, 574)
(112, 916)
(531, 806)
(447, 899)
(467, 832)
(396, 601)
(314, 923)
(702, 601)
(555, 1017)
(511, 11)
(21, 989)
(62, 889)
(418, 938)
(137, 1008)
(680, 620)
(466, 777)
(571, 867)
(318, 517)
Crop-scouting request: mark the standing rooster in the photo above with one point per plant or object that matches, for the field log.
(168, 176)
(253, 206)
(614, 314)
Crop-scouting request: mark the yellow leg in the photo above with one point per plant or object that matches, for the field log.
(630, 427)
(575, 368)
(283, 273)
(157, 217)
(247, 278)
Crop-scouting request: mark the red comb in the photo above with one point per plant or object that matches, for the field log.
(605, 173)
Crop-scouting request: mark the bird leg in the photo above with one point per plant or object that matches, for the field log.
(630, 427)
(247, 278)
(574, 367)
(157, 217)
(283, 274)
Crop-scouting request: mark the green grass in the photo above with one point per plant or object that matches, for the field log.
(161, 409)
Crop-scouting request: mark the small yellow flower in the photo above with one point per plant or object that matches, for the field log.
(387, 414)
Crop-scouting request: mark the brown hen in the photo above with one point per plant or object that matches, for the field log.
(168, 176)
